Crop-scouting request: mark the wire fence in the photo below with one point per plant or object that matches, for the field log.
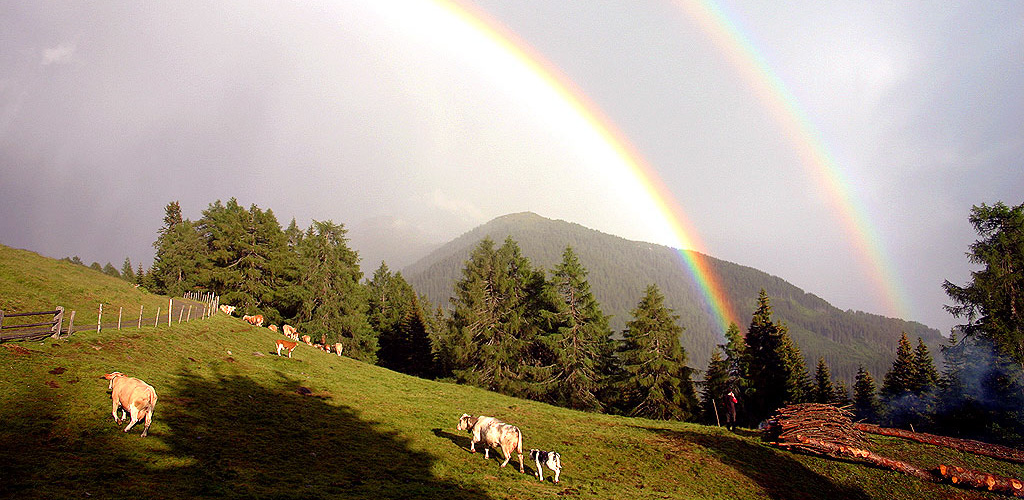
(29, 326)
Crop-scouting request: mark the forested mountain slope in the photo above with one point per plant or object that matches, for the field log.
(620, 269)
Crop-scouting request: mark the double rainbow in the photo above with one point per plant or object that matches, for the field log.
(774, 96)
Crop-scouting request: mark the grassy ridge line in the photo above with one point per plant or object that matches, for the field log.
(230, 424)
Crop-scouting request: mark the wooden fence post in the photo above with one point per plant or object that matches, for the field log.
(58, 322)
(189, 313)
(99, 319)
(1, 317)
(181, 313)
(156, 322)
(170, 310)
(140, 315)
(120, 311)
(71, 323)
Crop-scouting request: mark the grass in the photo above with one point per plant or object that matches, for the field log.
(230, 423)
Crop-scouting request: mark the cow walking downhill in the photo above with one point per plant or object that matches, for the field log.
(494, 434)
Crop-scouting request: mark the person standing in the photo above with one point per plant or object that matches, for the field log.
(730, 411)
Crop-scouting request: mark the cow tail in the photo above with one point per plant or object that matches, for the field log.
(519, 445)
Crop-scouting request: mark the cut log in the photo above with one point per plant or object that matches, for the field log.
(961, 476)
(850, 452)
(965, 445)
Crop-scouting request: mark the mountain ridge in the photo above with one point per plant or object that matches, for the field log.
(619, 269)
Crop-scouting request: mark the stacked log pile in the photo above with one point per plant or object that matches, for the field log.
(826, 430)
(819, 422)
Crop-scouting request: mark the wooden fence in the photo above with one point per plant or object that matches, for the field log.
(193, 305)
(32, 331)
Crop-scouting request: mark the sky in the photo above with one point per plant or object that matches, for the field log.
(837, 145)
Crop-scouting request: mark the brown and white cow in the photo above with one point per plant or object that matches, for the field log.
(286, 345)
(290, 332)
(133, 397)
(272, 328)
(494, 434)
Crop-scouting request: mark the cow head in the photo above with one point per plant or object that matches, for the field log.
(466, 423)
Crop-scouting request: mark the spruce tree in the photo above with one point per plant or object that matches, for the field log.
(716, 385)
(841, 395)
(579, 350)
(334, 304)
(656, 381)
(127, 272)
(824, 391)
(900, 378)
(772, 364)
(865, 398)
(396, 317)
(993, 302)
(926, 378)
(180, 255)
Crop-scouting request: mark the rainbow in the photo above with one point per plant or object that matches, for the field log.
(727, 35)
(690, 246)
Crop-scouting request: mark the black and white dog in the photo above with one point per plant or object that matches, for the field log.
(551, 459)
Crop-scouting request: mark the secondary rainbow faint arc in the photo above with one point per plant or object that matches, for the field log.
(726, 34)
(697, 264)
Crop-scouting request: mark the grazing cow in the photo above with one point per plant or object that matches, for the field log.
(254, 320)
(549, 458)
(273, 328)
(306, 340)
(284, 344)
(494, 434)
(290, 332)
(227, 309)
(133, 397)
(338, 347)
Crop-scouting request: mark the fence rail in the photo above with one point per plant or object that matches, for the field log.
(32, 331)
(194, 305)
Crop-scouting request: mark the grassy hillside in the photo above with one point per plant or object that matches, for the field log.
(230, 423)
(621, 269)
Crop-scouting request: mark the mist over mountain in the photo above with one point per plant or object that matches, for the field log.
(391, 240)
(620, 269)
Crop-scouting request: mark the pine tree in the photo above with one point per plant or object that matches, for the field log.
(127, 272)
(772, 364)
(110, 270)
(900, 378)
(334, 303)
(841, 395)
(395, 314)
(180, 255)
(824, 391)
(656, 381)
(865, 398)
(926, 379)
(993, 302)
(580, 348)
(716, 385)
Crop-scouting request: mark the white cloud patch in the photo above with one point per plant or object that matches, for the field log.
(462, 208)
(60, 54)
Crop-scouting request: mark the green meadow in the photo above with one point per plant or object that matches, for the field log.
(231, 423)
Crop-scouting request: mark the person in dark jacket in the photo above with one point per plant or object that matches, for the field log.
(730, 411)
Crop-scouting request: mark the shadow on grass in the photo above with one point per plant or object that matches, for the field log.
(223, 437)
(462, 441)
(779, 475)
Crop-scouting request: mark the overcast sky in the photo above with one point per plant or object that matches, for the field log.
(357, 110)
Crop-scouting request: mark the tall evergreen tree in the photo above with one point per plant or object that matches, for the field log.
(716, 384)
(926, 378)
(656, 381)
(579, 350)
(993, 302)
(395, 314)
(334, 304)
(772, 364)
(127, 272)
(180, 255)
(824, 391)
(110, 270)
(865, 397)
(841, 395)
(900, 378)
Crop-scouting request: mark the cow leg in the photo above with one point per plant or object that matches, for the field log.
(113, 412)
(508, 456)
(540, 470)
(135, 418)
(149, 420)
(472, 446)
(557, 471)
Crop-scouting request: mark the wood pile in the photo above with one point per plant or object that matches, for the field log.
(828, 431)
(818, 422)
(965, 445)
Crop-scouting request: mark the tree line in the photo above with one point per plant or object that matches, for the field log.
(530, 332)
(979, 393)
